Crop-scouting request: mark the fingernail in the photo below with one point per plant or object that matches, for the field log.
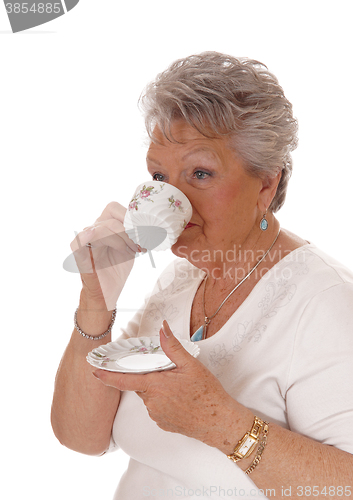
(95, 374)
(165, 331)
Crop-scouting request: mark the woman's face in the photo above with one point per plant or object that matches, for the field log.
(226, 200)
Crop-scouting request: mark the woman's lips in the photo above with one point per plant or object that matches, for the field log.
(190, 224)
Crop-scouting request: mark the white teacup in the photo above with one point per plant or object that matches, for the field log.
(157, 215)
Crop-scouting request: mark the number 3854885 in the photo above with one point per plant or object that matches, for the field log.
(33, 8)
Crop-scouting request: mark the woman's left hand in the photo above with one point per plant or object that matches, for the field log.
(187, 400)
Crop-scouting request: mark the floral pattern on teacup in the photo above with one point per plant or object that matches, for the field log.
(148, 192)
(175, 204)
(145, 193)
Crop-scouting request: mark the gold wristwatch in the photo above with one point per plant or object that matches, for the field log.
(246, 445)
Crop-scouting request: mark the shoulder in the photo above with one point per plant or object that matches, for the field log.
(315, 269)
(311, 285)
(324, 323)
(309, 259)
(332, 267)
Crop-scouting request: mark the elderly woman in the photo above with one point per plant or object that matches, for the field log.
(267, 408)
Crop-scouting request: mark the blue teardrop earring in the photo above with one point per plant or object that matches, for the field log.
(264, 222)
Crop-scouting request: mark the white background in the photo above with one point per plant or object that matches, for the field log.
(72, 139)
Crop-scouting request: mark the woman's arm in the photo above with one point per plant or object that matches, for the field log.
(83, 410)
(190, 400)
(296, 466)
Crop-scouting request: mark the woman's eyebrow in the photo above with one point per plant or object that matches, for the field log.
(148, 158)
(200, 150)
(190, 153)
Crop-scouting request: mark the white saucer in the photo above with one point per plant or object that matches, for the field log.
(136, 355)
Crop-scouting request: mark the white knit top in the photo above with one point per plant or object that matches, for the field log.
(286, 354)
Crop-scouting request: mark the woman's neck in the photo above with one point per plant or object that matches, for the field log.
(227, 268)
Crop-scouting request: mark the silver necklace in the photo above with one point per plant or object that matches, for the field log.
(208, 319)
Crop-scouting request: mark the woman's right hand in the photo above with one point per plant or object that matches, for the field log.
(106, 264)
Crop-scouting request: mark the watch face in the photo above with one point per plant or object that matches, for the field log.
(245, 447)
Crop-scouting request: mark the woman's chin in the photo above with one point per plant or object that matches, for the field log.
(187, 250)
(180, 250)
(183, 247)
(191, 245)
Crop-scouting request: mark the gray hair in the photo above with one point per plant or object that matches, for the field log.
(235, 97)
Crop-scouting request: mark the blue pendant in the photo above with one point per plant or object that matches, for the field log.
(197, 335)
(263, 224)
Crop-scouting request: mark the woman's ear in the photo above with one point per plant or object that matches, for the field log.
(268, 191)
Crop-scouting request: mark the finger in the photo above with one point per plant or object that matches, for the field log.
(110, 250)
(173, 348)
(101, 231)
(116, 227)
(122, 381)
(80, 253)
(104, 253)
(82, 238)
(113, 211)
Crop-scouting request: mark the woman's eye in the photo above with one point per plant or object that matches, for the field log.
(157, 177)
(201, 175)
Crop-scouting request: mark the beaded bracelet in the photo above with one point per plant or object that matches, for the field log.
(90, 337)
(260, 449)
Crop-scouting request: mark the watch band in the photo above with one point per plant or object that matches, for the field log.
(260, 450)
(247, 444)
